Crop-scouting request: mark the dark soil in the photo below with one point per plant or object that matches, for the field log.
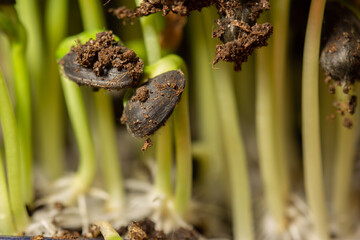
(237, 27)
(152, 104)
(103, 63)
(145, 230)
(238, 31)
(147, 7)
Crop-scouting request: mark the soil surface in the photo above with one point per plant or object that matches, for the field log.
(103, 63)
(145, 230)
(152, 104)
(237, 27)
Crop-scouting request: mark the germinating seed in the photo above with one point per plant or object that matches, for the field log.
(340, 52)
(152, 103)
(103, 63)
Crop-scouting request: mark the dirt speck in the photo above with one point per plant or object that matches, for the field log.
(142, 94)
(348, 123)
(148, 143)
(38, 237)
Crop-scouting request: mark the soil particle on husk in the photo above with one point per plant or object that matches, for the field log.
(103, 63)
(152, 103)
(237, 27)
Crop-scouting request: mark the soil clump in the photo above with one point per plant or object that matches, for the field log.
(103, 63)
(145, 230)
(237, 27)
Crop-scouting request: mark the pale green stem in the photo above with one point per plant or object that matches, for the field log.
(92, 14)
(150, 37)
(93, 18)
(164, 137)
(183, 185)
(328, 134)
(108, 232)
(87, 163)
(313, 170)
(51, 107)
(266, 139)
(12, 154)
(235, 155)
(10, 24)
(285, 140)
(30, 16)
(110, 159)
(164, 154)
(6, 220)
(207, 110)
(344, 161)
(23, 112)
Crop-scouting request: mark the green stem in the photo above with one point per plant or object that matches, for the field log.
(313, 171)
(12, 153)
(93, 18)
(235, 155)
(164, 137)
(23, 109)
(92, 14)
(110, 160)
(150, 36)
(6, 221)
(208, 112)
(266, 132)
(184, 171)
(87, 163)
(284, 138)
(343, 169)
(51, 108)
(30, 16)
(108, 232)
(164, 154)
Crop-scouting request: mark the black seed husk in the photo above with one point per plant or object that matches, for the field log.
(152, 103)
(112, 78)
(340, 46)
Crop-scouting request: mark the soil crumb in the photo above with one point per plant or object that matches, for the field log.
(68, 235)
(105, 53)
(39, 237)
(238, 30)
(148, 7)
(148, 143)
(145, 230)
(237, 27)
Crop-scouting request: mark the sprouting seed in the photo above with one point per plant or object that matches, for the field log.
(103, 63)
(152, 103)
(112, 79)
(340, 51)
